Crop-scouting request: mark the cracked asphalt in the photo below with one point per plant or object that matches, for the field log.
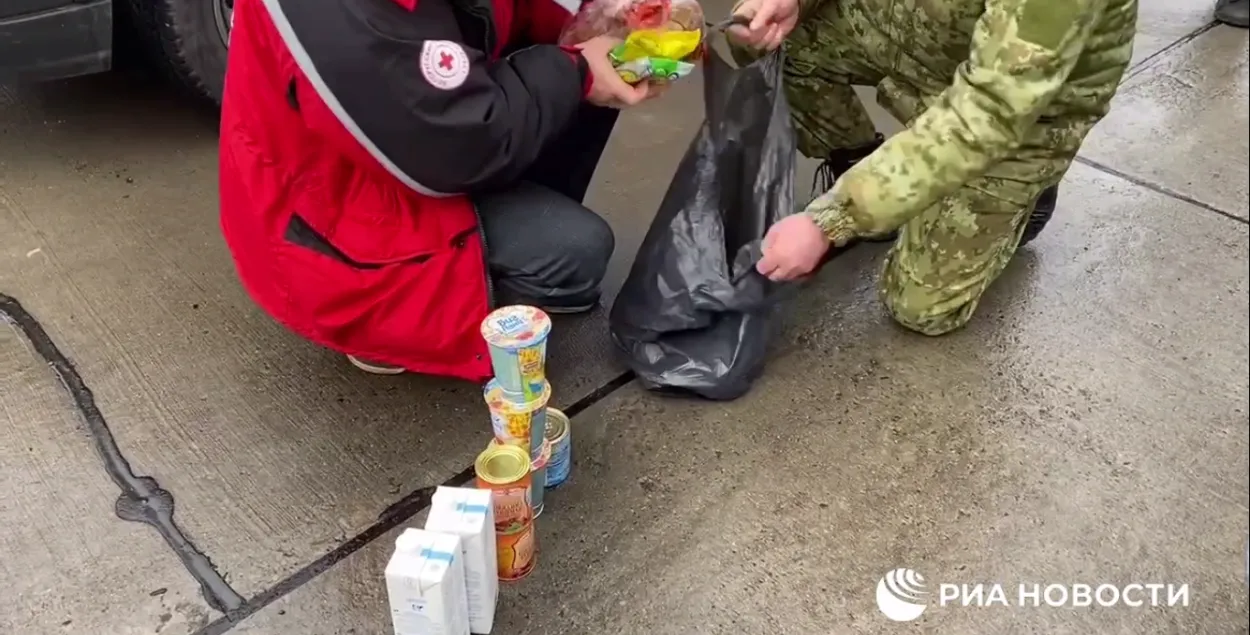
(1089, 427)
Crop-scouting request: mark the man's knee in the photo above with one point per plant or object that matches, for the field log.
(570, 251)
(567, 272)
(544, 246)
(587, 245)
(948, 256)
(924, 313)
(932, 283)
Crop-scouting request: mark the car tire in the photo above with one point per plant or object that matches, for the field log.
(183, 40)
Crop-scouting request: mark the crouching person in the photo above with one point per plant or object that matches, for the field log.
(392, 168)
(997, 97)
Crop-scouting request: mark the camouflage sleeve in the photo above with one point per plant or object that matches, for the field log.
(1022, 52)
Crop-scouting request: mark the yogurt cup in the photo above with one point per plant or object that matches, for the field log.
(517, 338)
(517, 422)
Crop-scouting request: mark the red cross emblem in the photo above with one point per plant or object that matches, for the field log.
(444, 64)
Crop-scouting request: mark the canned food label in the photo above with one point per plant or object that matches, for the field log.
(512, 508)
(530, 359)
(515, 552)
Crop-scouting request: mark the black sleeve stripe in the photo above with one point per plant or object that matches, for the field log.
(306, 66)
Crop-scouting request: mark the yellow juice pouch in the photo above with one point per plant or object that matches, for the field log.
(673, 45)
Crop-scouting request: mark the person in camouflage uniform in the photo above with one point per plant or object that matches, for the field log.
(997, 96)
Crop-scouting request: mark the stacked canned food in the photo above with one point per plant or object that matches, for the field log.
(524, 426)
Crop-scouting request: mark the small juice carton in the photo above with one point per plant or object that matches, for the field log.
(425, 583)
(469, 514)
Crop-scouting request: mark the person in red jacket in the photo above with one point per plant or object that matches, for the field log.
(392, 169)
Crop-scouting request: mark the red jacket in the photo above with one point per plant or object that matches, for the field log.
(349, 130)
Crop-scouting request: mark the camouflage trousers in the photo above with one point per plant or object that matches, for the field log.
(946, 257)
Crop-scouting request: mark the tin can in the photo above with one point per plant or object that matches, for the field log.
(505, 470)
(518, 422)
(538, 474)
(558, 433)
(538, 470)
(517, 339)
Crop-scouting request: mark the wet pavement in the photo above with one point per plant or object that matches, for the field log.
(1089, 427)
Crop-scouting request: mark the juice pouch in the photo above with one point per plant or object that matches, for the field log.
(673, 45)
(656, 55)
(656, 69)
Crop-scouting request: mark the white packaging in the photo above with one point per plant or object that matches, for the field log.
(425, 582)
(468, 513)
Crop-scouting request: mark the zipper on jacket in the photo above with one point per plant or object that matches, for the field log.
(490, 282)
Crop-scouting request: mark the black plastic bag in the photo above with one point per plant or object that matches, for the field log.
(694, 316)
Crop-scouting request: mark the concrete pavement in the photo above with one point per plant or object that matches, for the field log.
(1090, 426)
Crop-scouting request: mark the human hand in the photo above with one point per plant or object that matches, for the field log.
(792, 248)
(606, 87)
(771, 22)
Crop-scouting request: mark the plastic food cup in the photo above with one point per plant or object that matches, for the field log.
(517, 338)
(520, 423)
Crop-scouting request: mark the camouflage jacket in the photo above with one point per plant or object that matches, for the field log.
(1026, 73)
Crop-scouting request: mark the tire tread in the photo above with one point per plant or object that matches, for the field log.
(154, 23)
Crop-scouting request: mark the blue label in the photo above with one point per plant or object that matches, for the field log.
(471, 509)
(511, 324)
(430, 554)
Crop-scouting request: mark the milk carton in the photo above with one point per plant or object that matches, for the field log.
(468, 513)
(425, 582)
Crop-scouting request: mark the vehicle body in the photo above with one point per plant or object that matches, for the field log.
(43, 40)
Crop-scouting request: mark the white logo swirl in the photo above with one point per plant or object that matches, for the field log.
(900, 595)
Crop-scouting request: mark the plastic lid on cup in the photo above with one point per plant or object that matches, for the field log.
(516, 326)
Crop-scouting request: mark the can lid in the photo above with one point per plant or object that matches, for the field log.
(515, 326)
(557, 425)
(506, 402)
(500, 464)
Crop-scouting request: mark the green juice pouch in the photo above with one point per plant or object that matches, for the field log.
(655, 55)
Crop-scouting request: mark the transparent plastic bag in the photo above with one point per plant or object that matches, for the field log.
(663, 38)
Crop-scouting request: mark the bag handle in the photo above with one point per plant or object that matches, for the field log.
(735, 19)
(721, 76)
